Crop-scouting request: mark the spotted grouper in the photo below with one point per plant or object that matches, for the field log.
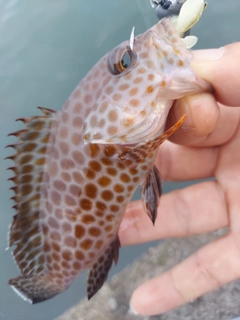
(76, 169)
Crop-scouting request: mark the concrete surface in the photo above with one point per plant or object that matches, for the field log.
(112, 301)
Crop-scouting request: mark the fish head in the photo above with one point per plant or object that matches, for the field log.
(144, 76)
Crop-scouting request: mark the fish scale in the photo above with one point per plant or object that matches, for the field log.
(77, 169)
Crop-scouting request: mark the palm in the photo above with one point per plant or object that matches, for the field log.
(208, 145)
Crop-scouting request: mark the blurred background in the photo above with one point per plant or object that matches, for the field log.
(46, 47)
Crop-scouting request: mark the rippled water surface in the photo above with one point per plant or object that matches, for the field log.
(46, 47)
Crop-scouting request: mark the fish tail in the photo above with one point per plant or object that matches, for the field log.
(37, 289)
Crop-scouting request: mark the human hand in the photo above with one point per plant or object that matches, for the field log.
(208, 145)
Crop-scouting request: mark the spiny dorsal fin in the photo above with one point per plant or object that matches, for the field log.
(30, 159)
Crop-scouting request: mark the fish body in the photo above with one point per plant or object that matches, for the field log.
(76, 169)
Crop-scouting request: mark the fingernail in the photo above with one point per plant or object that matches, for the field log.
(132, 310)
(209, 54)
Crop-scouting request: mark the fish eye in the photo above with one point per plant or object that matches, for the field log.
(120, 60)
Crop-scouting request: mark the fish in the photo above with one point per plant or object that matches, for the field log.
(76, 169)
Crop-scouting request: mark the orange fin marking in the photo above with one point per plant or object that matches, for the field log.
(26, 230)
(140, 152)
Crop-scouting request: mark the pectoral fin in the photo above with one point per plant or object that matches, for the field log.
(151, 191)
(99, 272)
(141, 152)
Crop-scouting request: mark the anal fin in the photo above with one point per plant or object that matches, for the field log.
(151, 191)
(99, 272)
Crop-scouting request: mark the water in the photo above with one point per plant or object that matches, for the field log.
(46, 47)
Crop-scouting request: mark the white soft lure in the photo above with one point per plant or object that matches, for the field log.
(184, 15)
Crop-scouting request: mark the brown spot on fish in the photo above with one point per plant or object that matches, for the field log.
(86, 244)
(59, 185)
(141, 70)
(118, 188)
(110, 150)
(101, 205)
(138, 80)
(112, 115)
(104, 181)
(67, 255)
(79, 231)
(95, 166)
(86, 204)
(117, 97)
(123, 87)
(76, 139)
(56, 256)
(53, 168)
(109, 89)
(77, 122)
(25, 159)
(91, 190)
(108, 228)
(87, 98)
(79, 255)
(88, 219)
(77, 107)
(151, 77)
(56, 197)
(112, 171)
(133, 91)
(99, 244)
(114, 208)
(78, 157)
(67, 164)
(66, 227)
(56, 246)
(103, 107)
(149, 89)
(95, 232)
(134, 102)
(99, 214)
(55, 235)
(120, 199)
(26, 189)
(106, 161)
(94, 150)
(53, 223)
(70, 241)
(77, 177)
(112, 130)
(125, 177)
(110, 217)
(65, 117)
(90, 174)
(70, 201)
(107, 195)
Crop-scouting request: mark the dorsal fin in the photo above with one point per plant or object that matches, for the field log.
(30, 159)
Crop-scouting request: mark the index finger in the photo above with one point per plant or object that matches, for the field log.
(221, 68)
